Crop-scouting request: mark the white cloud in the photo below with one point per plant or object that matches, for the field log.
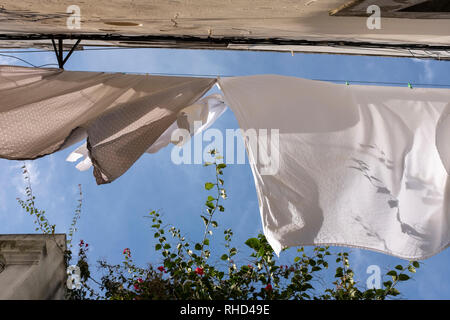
(428, 74)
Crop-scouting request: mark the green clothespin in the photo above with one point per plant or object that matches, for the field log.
(346, 82)
(410, 85)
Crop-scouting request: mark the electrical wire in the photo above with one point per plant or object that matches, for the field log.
(25, 61)
(84, 49)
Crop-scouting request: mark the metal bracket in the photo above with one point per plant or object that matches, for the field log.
(59, 52)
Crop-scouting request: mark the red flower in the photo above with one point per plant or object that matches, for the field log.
(81, 243)
(136, 287)
(140, 280)
(199, 271)
(268, 288)
(86, 245)
(127, 252)
(161, 268)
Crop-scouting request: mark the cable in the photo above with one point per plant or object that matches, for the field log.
(225, 76)
(48, 64)
(10, 56)
(25, 61)
(84, 49)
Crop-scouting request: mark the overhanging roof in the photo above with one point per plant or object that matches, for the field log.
(283, 25)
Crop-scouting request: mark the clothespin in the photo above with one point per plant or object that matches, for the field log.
(292, 52)
(410, 85)
(346, 82)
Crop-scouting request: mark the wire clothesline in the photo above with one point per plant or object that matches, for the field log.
(348, 82)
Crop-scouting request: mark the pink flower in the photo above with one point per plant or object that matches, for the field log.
(81, 243)
(136, 287)
(127, 252)
(140, 280)
(199, 271)
(268, 288)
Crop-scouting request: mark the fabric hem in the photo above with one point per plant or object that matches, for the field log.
(391, 253)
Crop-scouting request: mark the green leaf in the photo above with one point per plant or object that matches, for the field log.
(167, 246)
(253, 243)
(205, 220)
(224, 257)
(392, 273)
(221, 165)
(415, 264)
(209, 185)
(158, 247)
(198, 246)
(214, 224)
(339, 273)
(387, 283)
(399, 267)
(395, 292)
(261, 251)
(206, 242)
(403, 277)
(211, 198)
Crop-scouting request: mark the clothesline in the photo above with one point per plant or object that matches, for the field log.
(348, 82)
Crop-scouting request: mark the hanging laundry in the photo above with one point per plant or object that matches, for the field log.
(204, 112)
(122, 115)
(359, 166)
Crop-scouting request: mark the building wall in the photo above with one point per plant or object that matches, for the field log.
(252, 23)
(35, 267)
(290, 19)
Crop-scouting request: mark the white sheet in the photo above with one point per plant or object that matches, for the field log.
(358, 165)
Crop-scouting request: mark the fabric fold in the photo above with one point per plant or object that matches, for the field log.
(204, 112)
(353, 166)
(122, 115)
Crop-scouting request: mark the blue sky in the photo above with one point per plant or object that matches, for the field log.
(113, 215)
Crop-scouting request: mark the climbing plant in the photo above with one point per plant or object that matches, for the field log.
(189, 270)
